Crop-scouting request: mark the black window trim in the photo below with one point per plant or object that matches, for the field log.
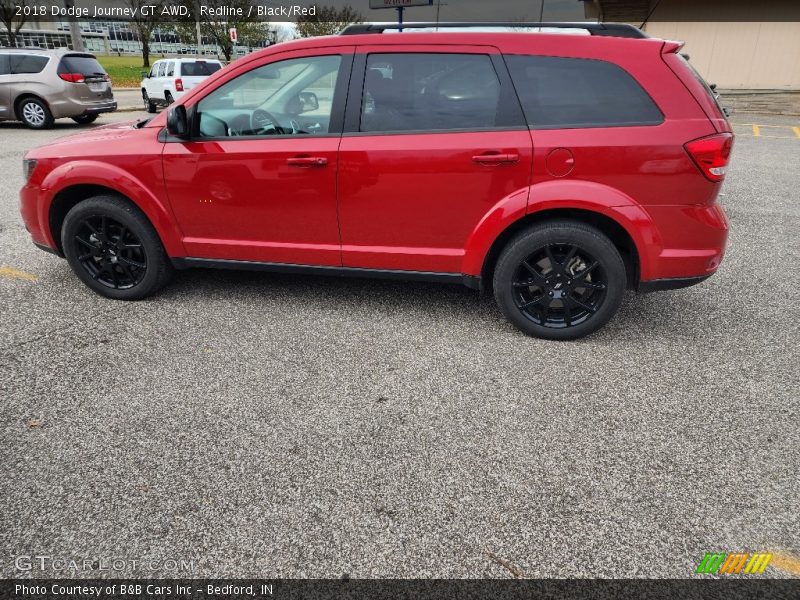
(334, 125)
(508, 103)
(534, 127)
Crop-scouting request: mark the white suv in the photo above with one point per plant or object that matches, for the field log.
(169, 78)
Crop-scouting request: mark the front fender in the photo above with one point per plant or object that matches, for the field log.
(90, 172)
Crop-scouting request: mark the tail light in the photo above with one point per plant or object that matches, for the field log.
(72, 77)
(178, 85)
(711, 154)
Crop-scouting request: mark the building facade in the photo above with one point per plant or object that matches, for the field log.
(737, 44)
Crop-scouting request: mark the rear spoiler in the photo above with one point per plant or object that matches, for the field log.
(672, 47)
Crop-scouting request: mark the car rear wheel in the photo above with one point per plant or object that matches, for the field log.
(113, 248)
(85, 119)
(559, 280)
(149, 105)
(168, 97)
(35, 114)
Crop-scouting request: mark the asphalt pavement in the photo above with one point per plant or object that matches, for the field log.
(265, 425)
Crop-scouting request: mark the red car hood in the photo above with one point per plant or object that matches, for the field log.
(96, 134)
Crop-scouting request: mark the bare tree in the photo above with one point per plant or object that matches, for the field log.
(145, 24)
(327, 20)
(12, 22)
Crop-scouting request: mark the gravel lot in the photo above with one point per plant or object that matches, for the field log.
(285, 426)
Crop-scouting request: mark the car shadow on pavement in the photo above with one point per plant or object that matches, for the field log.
(641, 316)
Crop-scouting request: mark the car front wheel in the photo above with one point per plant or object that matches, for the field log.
(149, 105)
(113, 248)
(559, 280)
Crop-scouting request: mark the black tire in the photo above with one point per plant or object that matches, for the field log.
(559, 280)
(149, 105)
(35, 114)
(169, 99)
(100, 236)
(85, 119)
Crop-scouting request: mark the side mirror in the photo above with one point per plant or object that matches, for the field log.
(178, 122)
(146, 74)
(309, 101)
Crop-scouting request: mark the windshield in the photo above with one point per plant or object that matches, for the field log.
(199, 68)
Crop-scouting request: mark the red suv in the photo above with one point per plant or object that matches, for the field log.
(557, 170)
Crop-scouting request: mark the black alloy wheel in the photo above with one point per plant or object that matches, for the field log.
(559, 285)
(114, 249)
(110, 252)
(559, 280)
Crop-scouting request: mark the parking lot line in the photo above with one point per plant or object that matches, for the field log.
(756, 131)
(12, 273)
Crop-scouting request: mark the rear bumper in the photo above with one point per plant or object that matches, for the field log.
(660, 285)
(69, 107)
(686, 243)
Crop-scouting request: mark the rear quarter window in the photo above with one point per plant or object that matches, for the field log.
(199, 69)
(27, 63)
(565, 93)
(4, 64)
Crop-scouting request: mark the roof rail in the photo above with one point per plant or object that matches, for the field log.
(599, 29)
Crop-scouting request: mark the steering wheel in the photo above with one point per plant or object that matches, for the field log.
(263, 123)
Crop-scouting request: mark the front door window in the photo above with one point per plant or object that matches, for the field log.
(290, 97)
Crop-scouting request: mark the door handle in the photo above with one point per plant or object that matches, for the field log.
(496, 158)
(307, 161)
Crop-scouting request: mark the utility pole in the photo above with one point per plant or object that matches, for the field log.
(197, 30)
(199, 38)
(74, 29)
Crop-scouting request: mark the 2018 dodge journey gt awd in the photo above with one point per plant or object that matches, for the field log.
(556, 170)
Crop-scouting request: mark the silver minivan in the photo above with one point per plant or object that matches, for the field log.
(38, 86)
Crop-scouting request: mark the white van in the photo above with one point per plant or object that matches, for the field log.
(169, 78)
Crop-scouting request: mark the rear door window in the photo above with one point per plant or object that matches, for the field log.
(85, 65)
(563, 93)
(27, 63)
(200, 68)
(429, 92)
(170, 69)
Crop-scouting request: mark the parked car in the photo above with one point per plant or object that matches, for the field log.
(555, 170)
(39, 86)
(169, 79)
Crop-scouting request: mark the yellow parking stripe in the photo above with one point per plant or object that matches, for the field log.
(796, 131)
(756, 130)
(11, 273)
